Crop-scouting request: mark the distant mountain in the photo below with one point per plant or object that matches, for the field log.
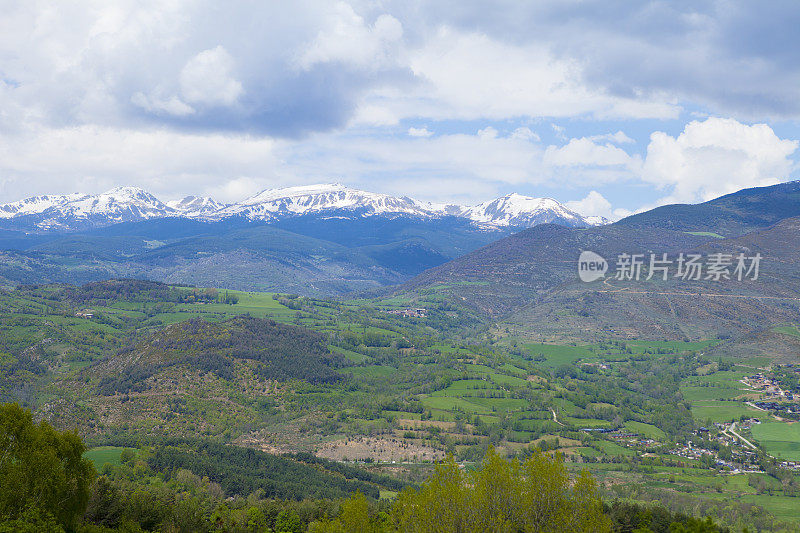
(525, 212)
(77, 212)
(196, 206)
(309, 255)
(730, 215)
(514, 271)
(273, 204)
(529, 279)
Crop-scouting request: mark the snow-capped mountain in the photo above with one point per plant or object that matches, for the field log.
(272, 204)
(195, 206)
(522, 211)
(129, 204)
(36, 205)
(76, 211)
(512, 210)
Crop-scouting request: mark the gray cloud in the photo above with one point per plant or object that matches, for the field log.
(735, 57)
(307, 66)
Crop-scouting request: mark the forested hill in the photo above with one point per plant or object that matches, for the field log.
(276, 351)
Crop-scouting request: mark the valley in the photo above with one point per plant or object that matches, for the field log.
(368, 352)
(141, 364)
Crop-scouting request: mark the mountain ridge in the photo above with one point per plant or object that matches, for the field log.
(78, 211)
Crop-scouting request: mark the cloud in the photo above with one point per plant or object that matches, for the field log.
(594, 204)
(734, 57)
(193, 66)
(487, 133)
(420, 132)
(207, 78)
(349, 39)
(330, 90)
(488, 157)
(471, 75)
(715, 157)
(619, 138)
(93, 159)
(288, 69)
(481, 162)
(171, 105)
(584, 151)
(525, 134)
(583, 161)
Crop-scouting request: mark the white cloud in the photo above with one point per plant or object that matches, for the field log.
(594, 204)
(207, 78)
(488, 158)
(716, 157)
(347, 38)
(93, 159)
(584, 161)
(420, 132)
(619, 138)
(526, 134)
(471, 75)
(171, 106)
(487, 133)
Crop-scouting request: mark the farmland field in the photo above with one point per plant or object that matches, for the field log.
(720, 411)
(780, 439)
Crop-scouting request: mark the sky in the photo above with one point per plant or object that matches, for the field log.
(608, 106)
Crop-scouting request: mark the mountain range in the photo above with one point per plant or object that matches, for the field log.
(318, 240)
(76, 212)
(512, 258)
(529, 280)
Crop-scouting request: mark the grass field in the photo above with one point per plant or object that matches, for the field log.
(104, 454)
(783, 507)
(372, 370)
(694, 393)
(612, 448)
(779, 439)
(351, 356)
(587, 422)
(720, 411)
(446, 403)
(556, 355)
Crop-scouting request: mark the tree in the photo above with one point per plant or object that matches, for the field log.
(288, 521)
(41, 469)
(354, 517)
(502, 495)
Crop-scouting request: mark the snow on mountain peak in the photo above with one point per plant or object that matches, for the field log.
(195, 206)
(71, 211)
(306, 199)
(128, 204)
(518, 210)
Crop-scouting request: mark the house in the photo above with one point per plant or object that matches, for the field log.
(85, 313)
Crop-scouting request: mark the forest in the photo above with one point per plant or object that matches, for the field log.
(47, 486)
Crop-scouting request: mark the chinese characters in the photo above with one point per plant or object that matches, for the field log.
(688, 266)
